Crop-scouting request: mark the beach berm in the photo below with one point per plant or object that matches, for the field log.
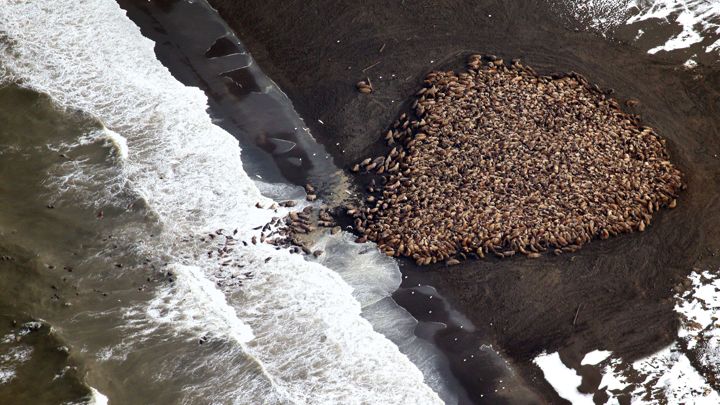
(498, 159)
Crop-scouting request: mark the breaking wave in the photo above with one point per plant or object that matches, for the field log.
(296, 321)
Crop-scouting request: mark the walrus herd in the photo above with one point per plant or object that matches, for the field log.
(500, 160)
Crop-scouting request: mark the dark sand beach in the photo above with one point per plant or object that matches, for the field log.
(614, 294)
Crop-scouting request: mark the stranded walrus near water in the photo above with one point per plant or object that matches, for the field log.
(498, 159)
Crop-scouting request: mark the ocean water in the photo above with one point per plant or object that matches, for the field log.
(34, 238)
(135, 187)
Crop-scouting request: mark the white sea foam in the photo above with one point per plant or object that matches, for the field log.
(80, 176)
(118, 142)
(195, 303)
(355, 263)
(309, 336)
(363, 261)
(6, 375)
(10, 358)
(97, 398)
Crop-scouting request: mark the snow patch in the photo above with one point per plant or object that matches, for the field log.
(595, 357)
(564, 380)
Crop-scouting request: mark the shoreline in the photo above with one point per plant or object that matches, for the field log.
(618, 291)
(192, 64)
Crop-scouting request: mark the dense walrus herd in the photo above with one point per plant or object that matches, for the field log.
(500, 160)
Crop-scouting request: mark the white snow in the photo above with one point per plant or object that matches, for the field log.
(595, 357)
(564, 380)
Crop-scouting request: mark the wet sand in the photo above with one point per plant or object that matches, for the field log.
(614, 294)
